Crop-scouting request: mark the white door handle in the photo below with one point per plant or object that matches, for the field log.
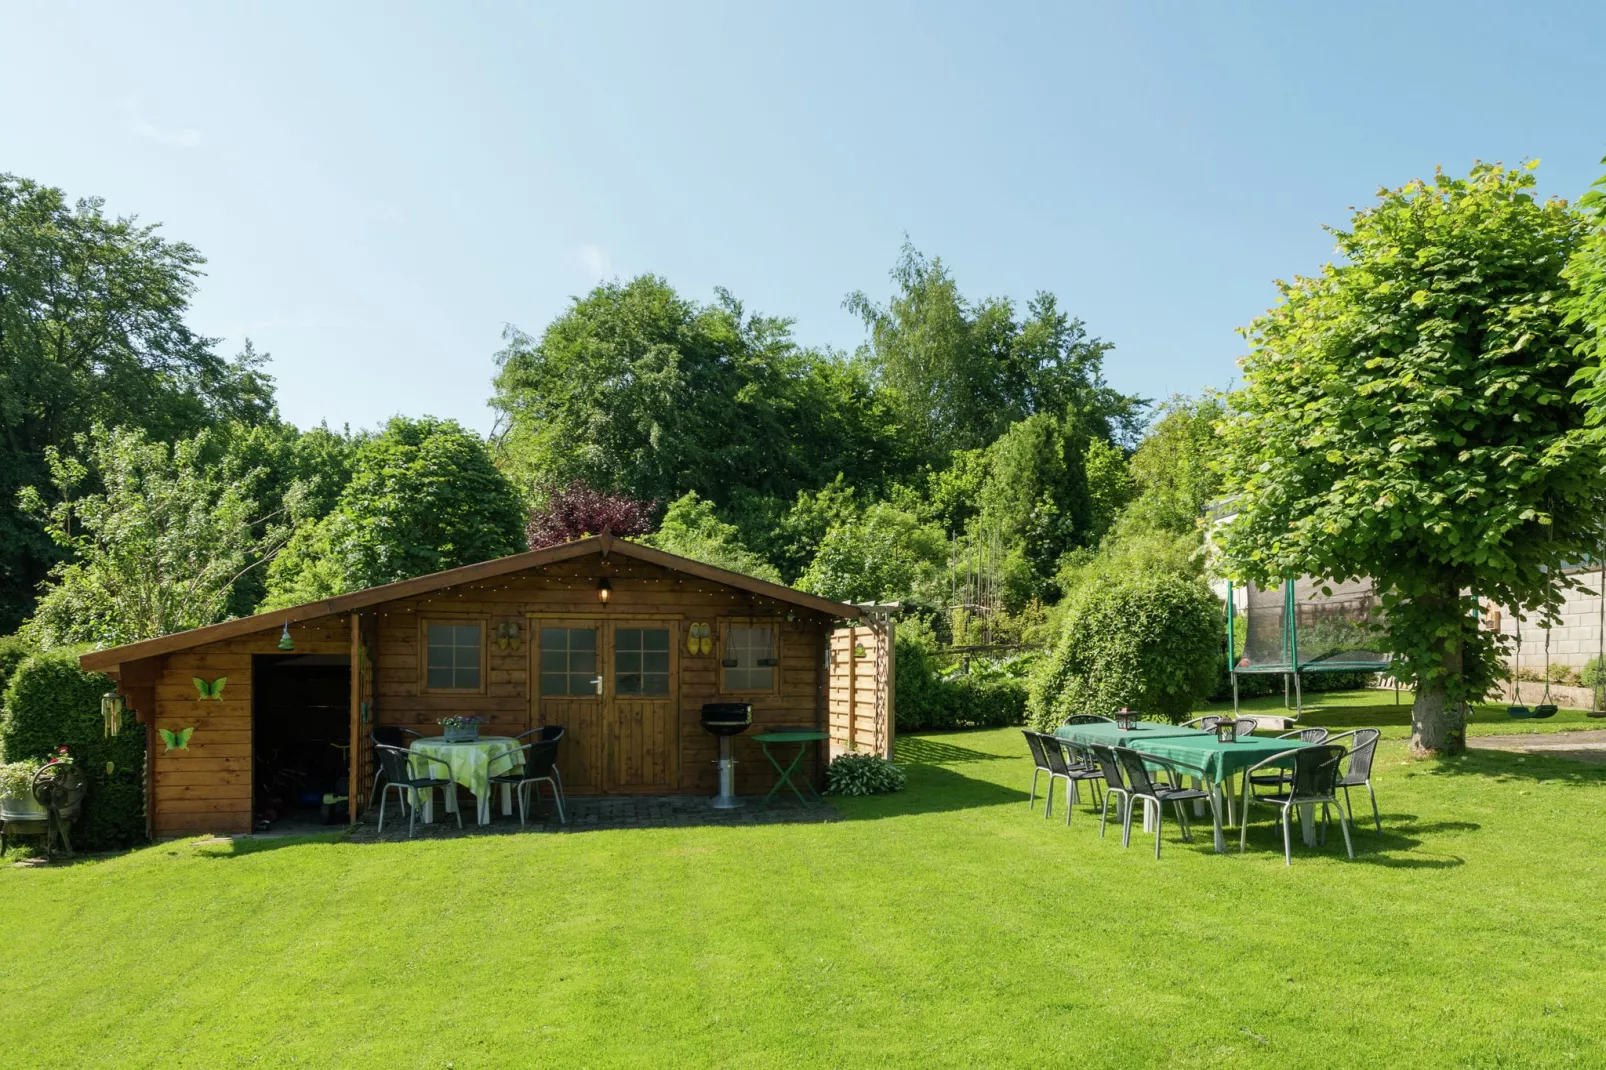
(598, 682)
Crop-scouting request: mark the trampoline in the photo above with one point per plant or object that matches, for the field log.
(1303, 626)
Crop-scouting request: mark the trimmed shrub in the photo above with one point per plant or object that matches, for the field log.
(1151, 642)
(928, 699)
(14, 650)
(862, 774)
(52, 703)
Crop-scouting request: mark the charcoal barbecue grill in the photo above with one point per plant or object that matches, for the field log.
(727, 719)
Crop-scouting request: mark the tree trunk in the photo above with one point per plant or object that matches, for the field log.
(1438, 724)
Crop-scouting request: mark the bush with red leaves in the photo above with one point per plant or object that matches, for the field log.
(578, 510)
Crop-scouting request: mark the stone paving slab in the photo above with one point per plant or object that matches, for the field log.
(596, 814)
(1588, 745)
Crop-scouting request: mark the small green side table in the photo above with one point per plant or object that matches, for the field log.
(802, 739)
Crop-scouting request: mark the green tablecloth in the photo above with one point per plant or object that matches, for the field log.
(1203, 756)
(1107, 734)
(473, 764)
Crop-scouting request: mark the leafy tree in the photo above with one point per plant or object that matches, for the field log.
(1405, 416)
(637, 390)
(1585, 306)
(692, 529)
(157, 550)
(1150, 642)
(1036, 494)
(1172, 470)
(92, 330)
(423, 497)
(575, 511)
(884, 553)
(959, 373)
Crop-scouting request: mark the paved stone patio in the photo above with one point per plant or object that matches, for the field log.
(1583, 746)
(596, 814)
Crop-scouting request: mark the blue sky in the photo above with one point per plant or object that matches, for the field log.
(379, 188)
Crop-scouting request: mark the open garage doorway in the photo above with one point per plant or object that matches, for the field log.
(300, 741)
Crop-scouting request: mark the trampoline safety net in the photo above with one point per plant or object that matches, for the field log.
(1298, 628)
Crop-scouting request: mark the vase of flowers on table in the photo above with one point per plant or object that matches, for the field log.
(461, 729)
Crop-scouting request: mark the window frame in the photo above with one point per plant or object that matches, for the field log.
(668, 674)
(424, 624)
(538, 648)
(774, 625)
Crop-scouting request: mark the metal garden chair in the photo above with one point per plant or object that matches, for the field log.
(1034, 741)
(1206, 723)
(398, 768)
(1142, 786)
(1314, 780)
(1363, 748)
(552, 733)
(387, 736)
(1244, 726)
(539, 766)
(1063, 764)
(1086, 718)
(1278, 779)
(1115, 785)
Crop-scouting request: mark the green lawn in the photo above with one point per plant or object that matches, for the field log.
(944, 926)
(1343, 710)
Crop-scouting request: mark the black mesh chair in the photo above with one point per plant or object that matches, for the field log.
(398, 766)
(539, 766)
(551, 733)
(1277, 779)
(1314, 779)
(1063, 765)
(1086, 718)
(1143, 786)
(1034, 741)
(1362, 749)
(1115, 786)
(1244, 727)
(387, 735)
(1205, 724)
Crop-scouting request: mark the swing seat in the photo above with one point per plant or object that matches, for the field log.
(1519, 711)
(1543, 710)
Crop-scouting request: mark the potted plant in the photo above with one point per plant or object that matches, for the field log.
(461, 729)
(16, 791)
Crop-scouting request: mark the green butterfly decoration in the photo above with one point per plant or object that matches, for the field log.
(210, 690)
(179, 740)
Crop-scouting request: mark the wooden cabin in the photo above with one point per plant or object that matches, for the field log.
(595, 635)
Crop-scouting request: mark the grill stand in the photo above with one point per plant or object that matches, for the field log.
(726, 799)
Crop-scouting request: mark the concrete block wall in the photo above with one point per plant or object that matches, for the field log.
(1573, 641)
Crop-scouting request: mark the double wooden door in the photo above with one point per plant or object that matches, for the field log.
(612, 683)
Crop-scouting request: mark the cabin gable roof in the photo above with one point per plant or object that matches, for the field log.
(110, 658)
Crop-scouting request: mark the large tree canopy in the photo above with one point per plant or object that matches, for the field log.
(959, 373)
(423, 497)
(92, 330)
(638, 390)
(157, 549)
(1406, 416)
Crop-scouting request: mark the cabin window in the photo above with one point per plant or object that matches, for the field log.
(641, 661)
(569, 662)
(455, 655)
(749, 660)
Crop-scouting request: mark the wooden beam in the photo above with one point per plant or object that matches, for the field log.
(105, 660)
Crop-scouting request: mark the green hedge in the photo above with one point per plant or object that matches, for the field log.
(14, 650)
(926, 699)
(1151, 641)
(51, 702)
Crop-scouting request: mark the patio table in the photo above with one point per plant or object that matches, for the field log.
(802, 739)
(1204, 756)
(1110, 734)
(473, 764)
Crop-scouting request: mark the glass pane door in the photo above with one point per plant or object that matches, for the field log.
(569, 662)
(641, 661)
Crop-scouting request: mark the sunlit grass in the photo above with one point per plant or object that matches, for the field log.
(944, 926)
(1377, 708)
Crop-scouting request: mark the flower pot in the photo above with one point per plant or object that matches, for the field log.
(16, 808)
(463, 734)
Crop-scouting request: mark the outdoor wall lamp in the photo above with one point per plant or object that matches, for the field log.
(604, 590)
